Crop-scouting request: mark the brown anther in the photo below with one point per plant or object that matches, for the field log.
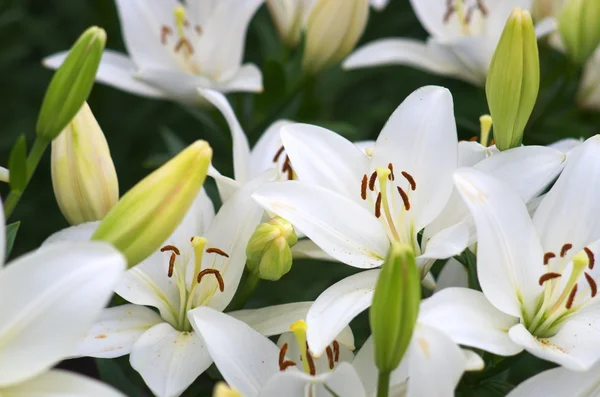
(378, 205)
(330, 357)
(565, 248)
(164, 32)
(363, 187)
(469, 14)
(282, 352)
(276, 157)
(548, 276)
(217, 275)
(404, 198)
(198, 29)
(592, 283)
(286, 364)
(311, 363)
(372, 180)
(590, 256)
(290, 173)
(217, 251)
(170, 248)
(482, 7)
(183, 42)
(391, 176)
(474, 138)
(572, 297)
(492, 142)
(336, 351)
(186, 23)
(171, 265)
(548, 256)
(410, 179)
(448, 12)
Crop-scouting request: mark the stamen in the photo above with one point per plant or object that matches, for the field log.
(482, 7)
(372, 181)
(287, 167)
(548, 256)
(572, 297)
(282, 354)
(311, 363)
(391, 168)
(336, 351)
(217, 275)
(276, 157)
(410, 179)
(330, 357)
(404, 198)
(286, 364)
(378, 205)
(548, 276)
(164, 32)
(170, 248)
(473, 138)
(198, 29)
(449, 10)
(363, 187)
(171, 265)
(590, 256)
(183, 42)
(565, 248)
(217, 251)
(592, 283)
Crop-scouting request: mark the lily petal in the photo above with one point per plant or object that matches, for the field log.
(336, 307)
(263, 153)
(72, 285)
(245, 358)
(340, 226)
(566, 145)
(509, 254)
(2, 238)
(226, 185)
(116, 330)
(175, 84)
(247, 79)
(273, 320)
(474, 362)
(169, 360)
(307, 249)
(453, 274)
(79, 233)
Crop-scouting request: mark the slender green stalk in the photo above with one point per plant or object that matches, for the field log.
(247, 287)
(383, 384)
(37, 151)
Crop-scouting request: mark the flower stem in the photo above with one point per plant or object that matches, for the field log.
(247, 286)
(37, 151)
(383, 384)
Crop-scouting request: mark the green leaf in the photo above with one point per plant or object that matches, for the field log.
(11, 234)
(121, 376)
(17, 164)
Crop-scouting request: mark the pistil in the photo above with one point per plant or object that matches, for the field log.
(299, 329)
(383, 176)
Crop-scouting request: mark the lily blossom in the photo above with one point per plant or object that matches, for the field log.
(541, 271)
(48, 301)
(174, 49)
(463, 37)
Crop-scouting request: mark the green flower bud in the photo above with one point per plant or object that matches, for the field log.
(395, 306)
(579, 26)
(71, 84)
(151, 211)
(269, 253)
(513, 80)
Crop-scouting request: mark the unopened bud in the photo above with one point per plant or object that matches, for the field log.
(149, 213)
(579, 26)
(83, 174)
(222, 390)
(289, 18)
(269, 253)
(71, 84)
(513, 80)
(395, 307)
(332, 31)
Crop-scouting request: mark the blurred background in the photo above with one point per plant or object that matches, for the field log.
(143, 133)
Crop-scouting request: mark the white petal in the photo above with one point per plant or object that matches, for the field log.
(169, 360)
(2, 237)
(566, 145)
(568, 213)
(337, 306)
(431, 15)
(245, 358)
(473, 55)
(72, 284)
(61, 383)
(273, 320)
(364, 364)
(340, 226)
(4, 175)
(379, 4)
(326, 159)
(471, 153)
(227, 186)
(365, 146)
(79, 233)
(453, 274)
(469, 319)
(116, 330)
(451, 240)
(509, 255)
(267, 146)
(176, 84)
(321, 364)
(116, 70)
(545, 27)
(499, 11)
(307, 249)
(241, 149)
(473, 361)
(420, 138)
(247, 79)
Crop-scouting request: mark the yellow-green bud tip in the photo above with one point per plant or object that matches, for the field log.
(579, 28)
(269, 254)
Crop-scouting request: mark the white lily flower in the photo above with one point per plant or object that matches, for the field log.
(588, 95)
(463, 37)
(48, 301)
(540, 271)
(199, 265)
(174, 49)
(561, 382)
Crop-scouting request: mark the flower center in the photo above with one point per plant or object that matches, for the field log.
(287, 172)
(181, 48)
(562, 298)
(464, 11)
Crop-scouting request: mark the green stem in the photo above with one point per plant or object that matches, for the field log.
(383, 384)
(37, 151)
(248, 286)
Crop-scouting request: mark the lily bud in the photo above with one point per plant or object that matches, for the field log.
(151, 211)
(269, 253)
(579, 26)
(513, 80)
(222, 390)
(332, 31)
(289, 17)
(395, 306)
(71, 84)
(83, 175)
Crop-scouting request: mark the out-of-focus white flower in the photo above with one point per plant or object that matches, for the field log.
(463, 36)
(4, 175)
(173, 49)
(588, 96)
